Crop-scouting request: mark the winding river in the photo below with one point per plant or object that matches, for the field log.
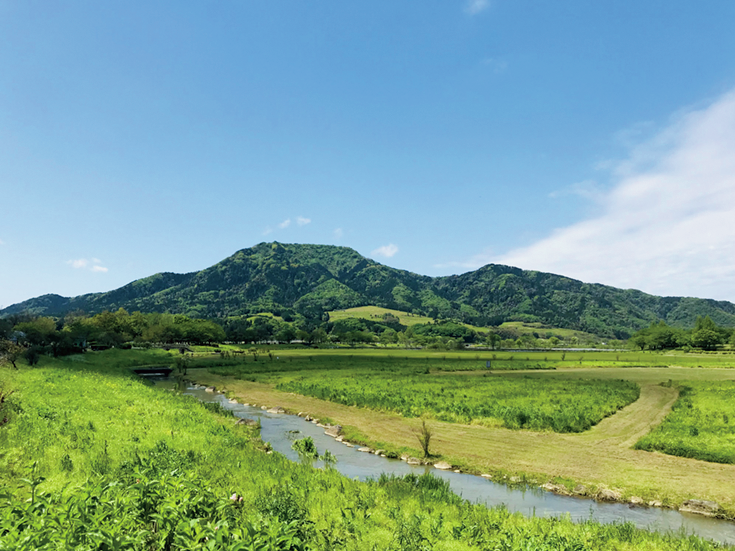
(279, 430)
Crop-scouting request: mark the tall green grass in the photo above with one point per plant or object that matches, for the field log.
(701, 424)
(529, 403)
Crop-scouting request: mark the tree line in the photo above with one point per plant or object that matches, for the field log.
(28, 336)
(705, 335)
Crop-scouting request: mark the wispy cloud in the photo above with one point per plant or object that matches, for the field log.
(386, 250)
(93, 264)
(473, 7)
(497, 65)
(338, 233)
(588, 189)
(666, 227)
(300, 221)
(2, 242)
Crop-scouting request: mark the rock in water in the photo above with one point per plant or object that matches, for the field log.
(333, 431)
(608, 495)
(442, 465)
(700, 507)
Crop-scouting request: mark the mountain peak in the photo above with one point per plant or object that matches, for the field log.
(311, 279)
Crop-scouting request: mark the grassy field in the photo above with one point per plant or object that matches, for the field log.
(92, 458)
(527, 403)
(467, 360)
(701, 424)
(600, 457)
(376, 313)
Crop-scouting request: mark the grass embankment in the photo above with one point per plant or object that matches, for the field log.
(121, 465)
(600, 457)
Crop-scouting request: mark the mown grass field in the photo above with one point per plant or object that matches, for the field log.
(92, 458)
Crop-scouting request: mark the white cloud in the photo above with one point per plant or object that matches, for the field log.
(301, 221)
(93, 265)
(667, 222)
(474, 7)
(286, 223)
(268, 230)
(2, 242)
(386, 250)
(338, 233)
(79, 263)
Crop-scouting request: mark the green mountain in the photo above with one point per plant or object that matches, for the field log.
(311, 279)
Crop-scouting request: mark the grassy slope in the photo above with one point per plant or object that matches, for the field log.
(376, 313)
(599, 457)
(116, 418)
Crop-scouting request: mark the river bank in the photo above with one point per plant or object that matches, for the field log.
(586, 464)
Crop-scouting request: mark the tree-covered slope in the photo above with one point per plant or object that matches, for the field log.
(312, 279)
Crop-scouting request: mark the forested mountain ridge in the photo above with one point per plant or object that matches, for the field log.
(287, 279)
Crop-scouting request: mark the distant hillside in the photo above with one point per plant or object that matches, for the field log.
(313, 279)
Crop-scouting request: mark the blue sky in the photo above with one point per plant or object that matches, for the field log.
(590, 139)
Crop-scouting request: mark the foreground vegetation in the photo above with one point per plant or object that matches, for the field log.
(94, 459)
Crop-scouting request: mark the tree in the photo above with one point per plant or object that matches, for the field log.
(389, 336)
(39, 331)
(424, 437)
(10, 352)
(286, 335)
(318, 336)
(493, 340)
(706, 339)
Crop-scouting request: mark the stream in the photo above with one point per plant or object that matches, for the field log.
(281, 429)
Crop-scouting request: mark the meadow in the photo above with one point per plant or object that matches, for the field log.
(516, 403)
(701, 424)
(94, 458)
(485, 446)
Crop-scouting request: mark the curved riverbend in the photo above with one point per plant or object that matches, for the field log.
(279, 431)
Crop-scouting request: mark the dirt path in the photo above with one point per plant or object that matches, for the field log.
(601, 456)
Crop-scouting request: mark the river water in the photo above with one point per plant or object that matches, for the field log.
(280, 430)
